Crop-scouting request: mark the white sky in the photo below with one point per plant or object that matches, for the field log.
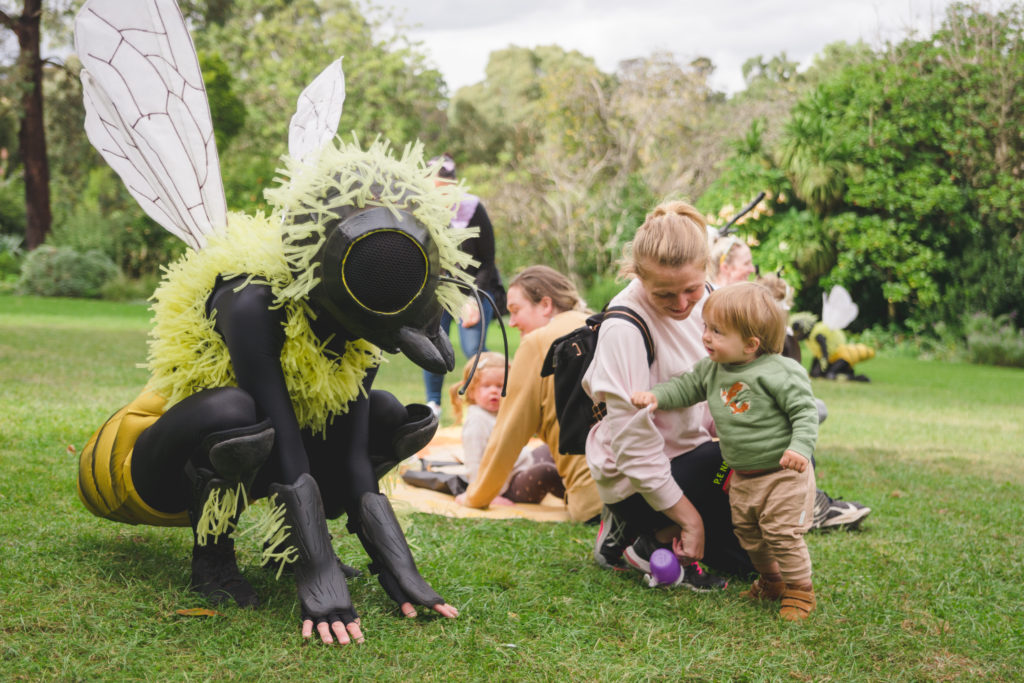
(459, 35)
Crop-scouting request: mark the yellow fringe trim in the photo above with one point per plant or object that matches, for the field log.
(273, 534)
(349, 175)
(219, 508)
(186, 354)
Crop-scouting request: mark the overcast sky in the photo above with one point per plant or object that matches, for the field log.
(459, 35)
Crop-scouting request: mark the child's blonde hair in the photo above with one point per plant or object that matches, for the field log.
(673, 235)
(749, 309)
(488, 359)
(779, 288)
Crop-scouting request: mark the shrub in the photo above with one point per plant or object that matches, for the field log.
(60, 271)
(994, 341)
(10, 258)
(601, 291)
(124, 288)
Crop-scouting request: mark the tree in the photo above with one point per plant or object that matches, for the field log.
(31, 132)
(906, 163)
(274, 48)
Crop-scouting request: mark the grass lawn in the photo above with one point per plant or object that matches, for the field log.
(929, 590)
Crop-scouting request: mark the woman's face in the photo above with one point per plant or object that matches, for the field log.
(673, 291)
(525, 315)
(738, 267)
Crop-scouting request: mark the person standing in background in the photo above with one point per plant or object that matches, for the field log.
(473, 322)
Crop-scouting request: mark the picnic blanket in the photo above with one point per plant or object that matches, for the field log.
(443, 453)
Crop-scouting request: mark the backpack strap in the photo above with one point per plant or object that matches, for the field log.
(627, 313)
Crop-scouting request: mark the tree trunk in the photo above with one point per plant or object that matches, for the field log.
(31, 132)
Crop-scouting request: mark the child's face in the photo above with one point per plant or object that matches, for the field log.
(727, 346)
(487, 388)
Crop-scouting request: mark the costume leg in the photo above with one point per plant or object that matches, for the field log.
(342, 465)
(215, 442)
(319, 577)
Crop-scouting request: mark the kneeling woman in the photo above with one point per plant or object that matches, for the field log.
(660, 475)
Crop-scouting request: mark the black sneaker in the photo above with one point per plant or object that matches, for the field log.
(696, 579)
(611, 541)
(833, 513)
(638, 555)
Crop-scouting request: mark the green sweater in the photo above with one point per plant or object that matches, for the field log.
(761, 408)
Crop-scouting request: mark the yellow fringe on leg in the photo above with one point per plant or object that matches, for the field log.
(218, 510)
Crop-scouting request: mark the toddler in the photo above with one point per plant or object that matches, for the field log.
(534, 474)
(767, 423)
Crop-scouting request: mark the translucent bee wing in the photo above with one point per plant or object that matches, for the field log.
(147, 112)
(317, 112)
(837, 308)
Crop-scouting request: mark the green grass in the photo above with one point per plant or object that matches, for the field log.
(929, 590)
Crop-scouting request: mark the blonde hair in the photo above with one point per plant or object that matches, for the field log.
(537, 282)
(722, 252)
(489, 360)
(779, 288)
(750, 310)
(673, 235)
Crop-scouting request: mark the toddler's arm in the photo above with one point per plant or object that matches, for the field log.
(643, 399)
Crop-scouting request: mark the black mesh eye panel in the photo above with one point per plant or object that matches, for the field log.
(384, 271)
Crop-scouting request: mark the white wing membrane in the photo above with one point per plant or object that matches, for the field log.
(838, 309)
(147, 112)
(318, 112)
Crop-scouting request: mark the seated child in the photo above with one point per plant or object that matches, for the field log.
(767, 425)
(534, 474)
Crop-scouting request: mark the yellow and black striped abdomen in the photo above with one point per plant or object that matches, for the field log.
(104, 469)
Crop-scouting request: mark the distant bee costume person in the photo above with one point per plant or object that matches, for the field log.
(267, 336)
(833, 357)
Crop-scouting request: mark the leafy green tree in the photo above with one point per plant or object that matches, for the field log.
(907, 165)
(26, 82)
(274, 48)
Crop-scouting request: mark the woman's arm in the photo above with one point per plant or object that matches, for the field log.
(636, 445)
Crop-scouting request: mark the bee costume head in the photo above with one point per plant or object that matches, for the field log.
(366, 238)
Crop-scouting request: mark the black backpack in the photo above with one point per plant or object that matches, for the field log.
(568, 360)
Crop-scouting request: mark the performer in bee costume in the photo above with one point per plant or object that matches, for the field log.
(833, 357)
(268, 334)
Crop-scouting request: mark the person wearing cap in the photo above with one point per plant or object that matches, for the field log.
(473, 322)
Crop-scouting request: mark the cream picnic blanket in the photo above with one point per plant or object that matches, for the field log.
(446, 446)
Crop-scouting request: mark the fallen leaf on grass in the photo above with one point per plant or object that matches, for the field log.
(896, 494)
(197, 612)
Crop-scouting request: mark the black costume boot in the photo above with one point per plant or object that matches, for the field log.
(382, 537)
(319, 578)
(237, 455)
(215, 573)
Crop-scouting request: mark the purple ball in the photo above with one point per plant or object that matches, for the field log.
(664, 566)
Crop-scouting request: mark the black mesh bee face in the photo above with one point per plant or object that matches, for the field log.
(384, 271)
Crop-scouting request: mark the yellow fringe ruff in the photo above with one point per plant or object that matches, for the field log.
(186, 354)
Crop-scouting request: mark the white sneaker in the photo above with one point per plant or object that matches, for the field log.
(435, 408)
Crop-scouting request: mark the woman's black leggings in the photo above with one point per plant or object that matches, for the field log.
(701, 474)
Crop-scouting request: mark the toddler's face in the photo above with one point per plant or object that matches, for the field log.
(487, 389)
(727, 346)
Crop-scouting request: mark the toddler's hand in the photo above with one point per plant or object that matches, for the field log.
(791, 460)
(644, 399)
